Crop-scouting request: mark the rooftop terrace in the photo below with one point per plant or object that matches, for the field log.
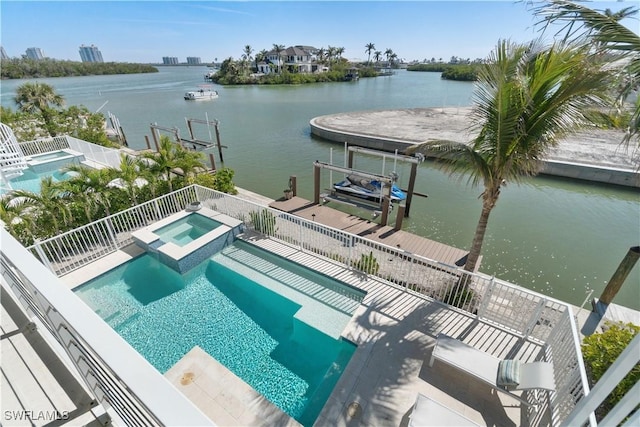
(409, 302)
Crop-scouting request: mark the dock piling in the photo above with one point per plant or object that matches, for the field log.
(620, 275)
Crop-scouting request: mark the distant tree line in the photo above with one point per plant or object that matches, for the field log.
(24, 68)
(233, 72)
(461, 72)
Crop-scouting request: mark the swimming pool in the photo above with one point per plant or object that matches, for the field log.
(273, 323)
(187, 229)
(31, 181)
(53, 155)
(45, 165)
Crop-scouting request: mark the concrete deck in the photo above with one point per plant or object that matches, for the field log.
(594, 155)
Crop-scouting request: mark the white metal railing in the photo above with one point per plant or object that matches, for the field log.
(39, 146)
(12, 161)
(75, 248)
(93, 152)
(118, 377)
(529, 315)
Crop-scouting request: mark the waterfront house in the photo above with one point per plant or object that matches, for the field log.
(296, 59)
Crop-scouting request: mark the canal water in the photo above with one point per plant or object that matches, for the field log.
(559, 237)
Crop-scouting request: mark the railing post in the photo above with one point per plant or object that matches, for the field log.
(111, 232)
(534, 318)
(43, 257)
(300, 234)
(158, 213)
(484, 302)
(410, 270)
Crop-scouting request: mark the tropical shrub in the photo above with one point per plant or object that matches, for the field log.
(461, 297)
(367, 264)
(601, 350)
(223, 181)
(263, 221)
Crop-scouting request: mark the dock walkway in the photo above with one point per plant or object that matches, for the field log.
(383, 234)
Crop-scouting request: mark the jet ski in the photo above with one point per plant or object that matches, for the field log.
(370, 189)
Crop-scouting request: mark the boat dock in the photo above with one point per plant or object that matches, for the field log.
(387, 235)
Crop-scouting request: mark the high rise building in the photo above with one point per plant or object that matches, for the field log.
(90, 54)
(3, 53)
(194, 60)
(35, 53)
(170, 60)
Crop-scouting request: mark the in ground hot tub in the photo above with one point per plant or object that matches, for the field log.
(187, 238)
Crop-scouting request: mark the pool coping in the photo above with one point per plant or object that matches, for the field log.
(147, 234)
(222, 395)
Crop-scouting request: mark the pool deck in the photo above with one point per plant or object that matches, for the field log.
(395, 331)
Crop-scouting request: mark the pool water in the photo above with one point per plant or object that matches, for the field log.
(30, 180)
(50, 164)
(187, 229)
(240, 321)
(54, 155)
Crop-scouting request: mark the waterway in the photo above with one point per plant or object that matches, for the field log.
(560, 237)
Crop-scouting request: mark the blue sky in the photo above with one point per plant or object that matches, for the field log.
(145, 31)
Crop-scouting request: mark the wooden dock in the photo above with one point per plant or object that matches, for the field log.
(418, 245)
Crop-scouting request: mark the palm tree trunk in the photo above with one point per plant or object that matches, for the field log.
(169, 180)
(478, 238)
(48, 122)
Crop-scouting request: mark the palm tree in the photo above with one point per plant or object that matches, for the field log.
(278, 48)
(525, 100)
(321, 55)
(49, 205)
(171, 157)
(377, 55)
(246, 56)
(260, 56)
(90, 187)
(587, 25)
(331, 54)
(39, 98)
(130, 175)
(388, 54)
(16, 213)
(370, 47)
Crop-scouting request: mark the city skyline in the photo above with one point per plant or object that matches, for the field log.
(147, 31)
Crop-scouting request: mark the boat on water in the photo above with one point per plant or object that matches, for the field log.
(211, 73)
(365, 188)
(202, 94)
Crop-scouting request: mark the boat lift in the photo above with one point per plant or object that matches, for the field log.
(192, 142)
(415, 161)
(387, 182)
